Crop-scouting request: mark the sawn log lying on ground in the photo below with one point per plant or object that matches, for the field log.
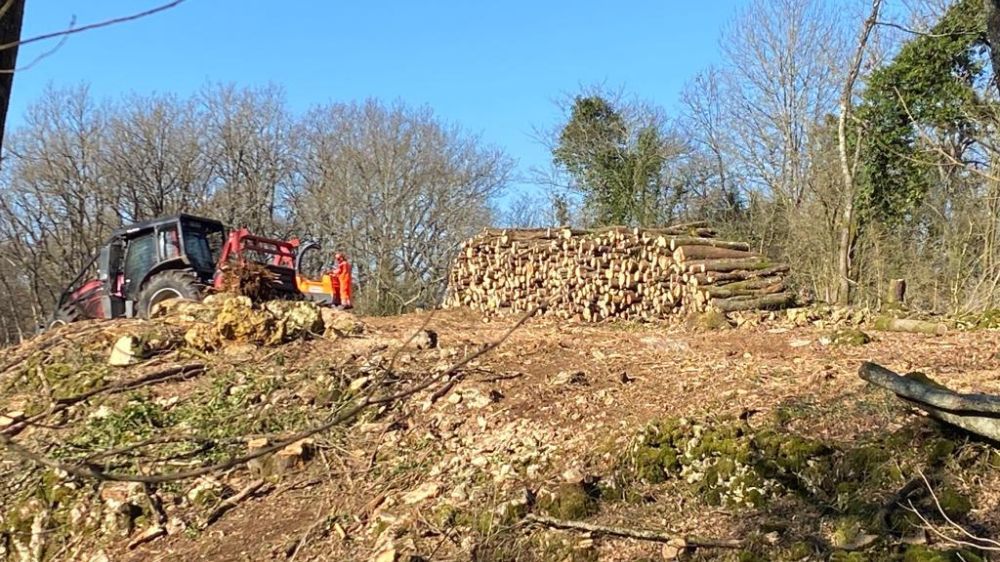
(975, 413)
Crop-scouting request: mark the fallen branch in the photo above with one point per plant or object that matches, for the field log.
(685, 542)
(889, 324)
(336, 418)
(60, 404)
(980, 542)
(232, 501)
(976, 413)
(149, 535)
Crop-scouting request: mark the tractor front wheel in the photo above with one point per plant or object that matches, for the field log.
(168, 285)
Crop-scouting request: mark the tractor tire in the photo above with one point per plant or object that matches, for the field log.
(168, 285)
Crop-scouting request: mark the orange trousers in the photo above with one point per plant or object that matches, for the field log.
(341, 281)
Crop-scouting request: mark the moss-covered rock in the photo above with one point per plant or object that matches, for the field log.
(724, 464)
(921, 553)
(708, 321)
(849, 337)
(568, 501)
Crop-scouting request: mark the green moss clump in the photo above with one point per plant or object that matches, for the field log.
(920, 553)
(568, 501)
(954, 504)
(849, 337)
(445, 515)
(845, 531)
(841, 556)
(796, 552)
(708, 321)
(724, 464)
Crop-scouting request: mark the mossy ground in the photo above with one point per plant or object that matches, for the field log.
(842, 488)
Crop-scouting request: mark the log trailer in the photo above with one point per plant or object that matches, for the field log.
(181, 256)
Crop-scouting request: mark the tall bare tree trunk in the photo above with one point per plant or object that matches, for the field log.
(993, 36)
(10, 34)
(848, 169)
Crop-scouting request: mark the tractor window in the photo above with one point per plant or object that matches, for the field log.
(139, 259)
(203, 244)
(170, 244)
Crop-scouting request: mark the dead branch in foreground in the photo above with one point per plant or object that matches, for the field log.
(229, 503)
(640, 534)
(970, 540)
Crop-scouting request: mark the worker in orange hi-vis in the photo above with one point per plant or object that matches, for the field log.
(343, 275)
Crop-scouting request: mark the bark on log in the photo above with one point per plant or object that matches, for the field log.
(778, 300)
(889, 324)
(685, 253)
(976, 413)
(704, 266)
(728, 291)
(678, 241)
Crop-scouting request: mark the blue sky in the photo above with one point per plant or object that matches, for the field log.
(495, 68)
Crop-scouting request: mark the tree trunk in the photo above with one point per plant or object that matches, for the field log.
(10, 34)
(993, 33)
(847, 227)
(897, 291)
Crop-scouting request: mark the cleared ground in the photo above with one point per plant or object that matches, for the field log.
(548, 423)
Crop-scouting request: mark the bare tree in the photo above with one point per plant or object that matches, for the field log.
(157, 158)
(251, 152)
(397, 190)
(848, 162)
(11, 17)
(781, 77)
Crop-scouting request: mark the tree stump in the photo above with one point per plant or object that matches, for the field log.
(897, 292)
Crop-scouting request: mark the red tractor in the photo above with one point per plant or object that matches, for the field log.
(179, 256)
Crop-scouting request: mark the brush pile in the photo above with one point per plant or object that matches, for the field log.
(614, 273)
(249, 279)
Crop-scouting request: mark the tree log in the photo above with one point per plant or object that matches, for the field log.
(704, 266)
(778, 300)
(889, 324)
(678, 241)
(685, 253)
(975, 413)
(728, 291)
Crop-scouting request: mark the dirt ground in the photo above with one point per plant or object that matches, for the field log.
(557, 403)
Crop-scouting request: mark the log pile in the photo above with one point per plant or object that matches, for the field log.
(613, 273)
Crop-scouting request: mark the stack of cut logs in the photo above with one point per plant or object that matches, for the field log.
(613, 273)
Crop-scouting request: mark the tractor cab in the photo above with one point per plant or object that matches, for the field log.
(179, 257)
(143, 264)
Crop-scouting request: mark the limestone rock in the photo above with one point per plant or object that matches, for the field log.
(421, 493)
(426, 339)
(126, 351)
(293, 455)
(10, 418)
(340, 323)
(298, 318)
(569, 377)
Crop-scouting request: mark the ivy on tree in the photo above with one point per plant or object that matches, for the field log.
(932, 86)
(616, 167)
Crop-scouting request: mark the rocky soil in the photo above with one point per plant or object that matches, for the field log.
(444, 436)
